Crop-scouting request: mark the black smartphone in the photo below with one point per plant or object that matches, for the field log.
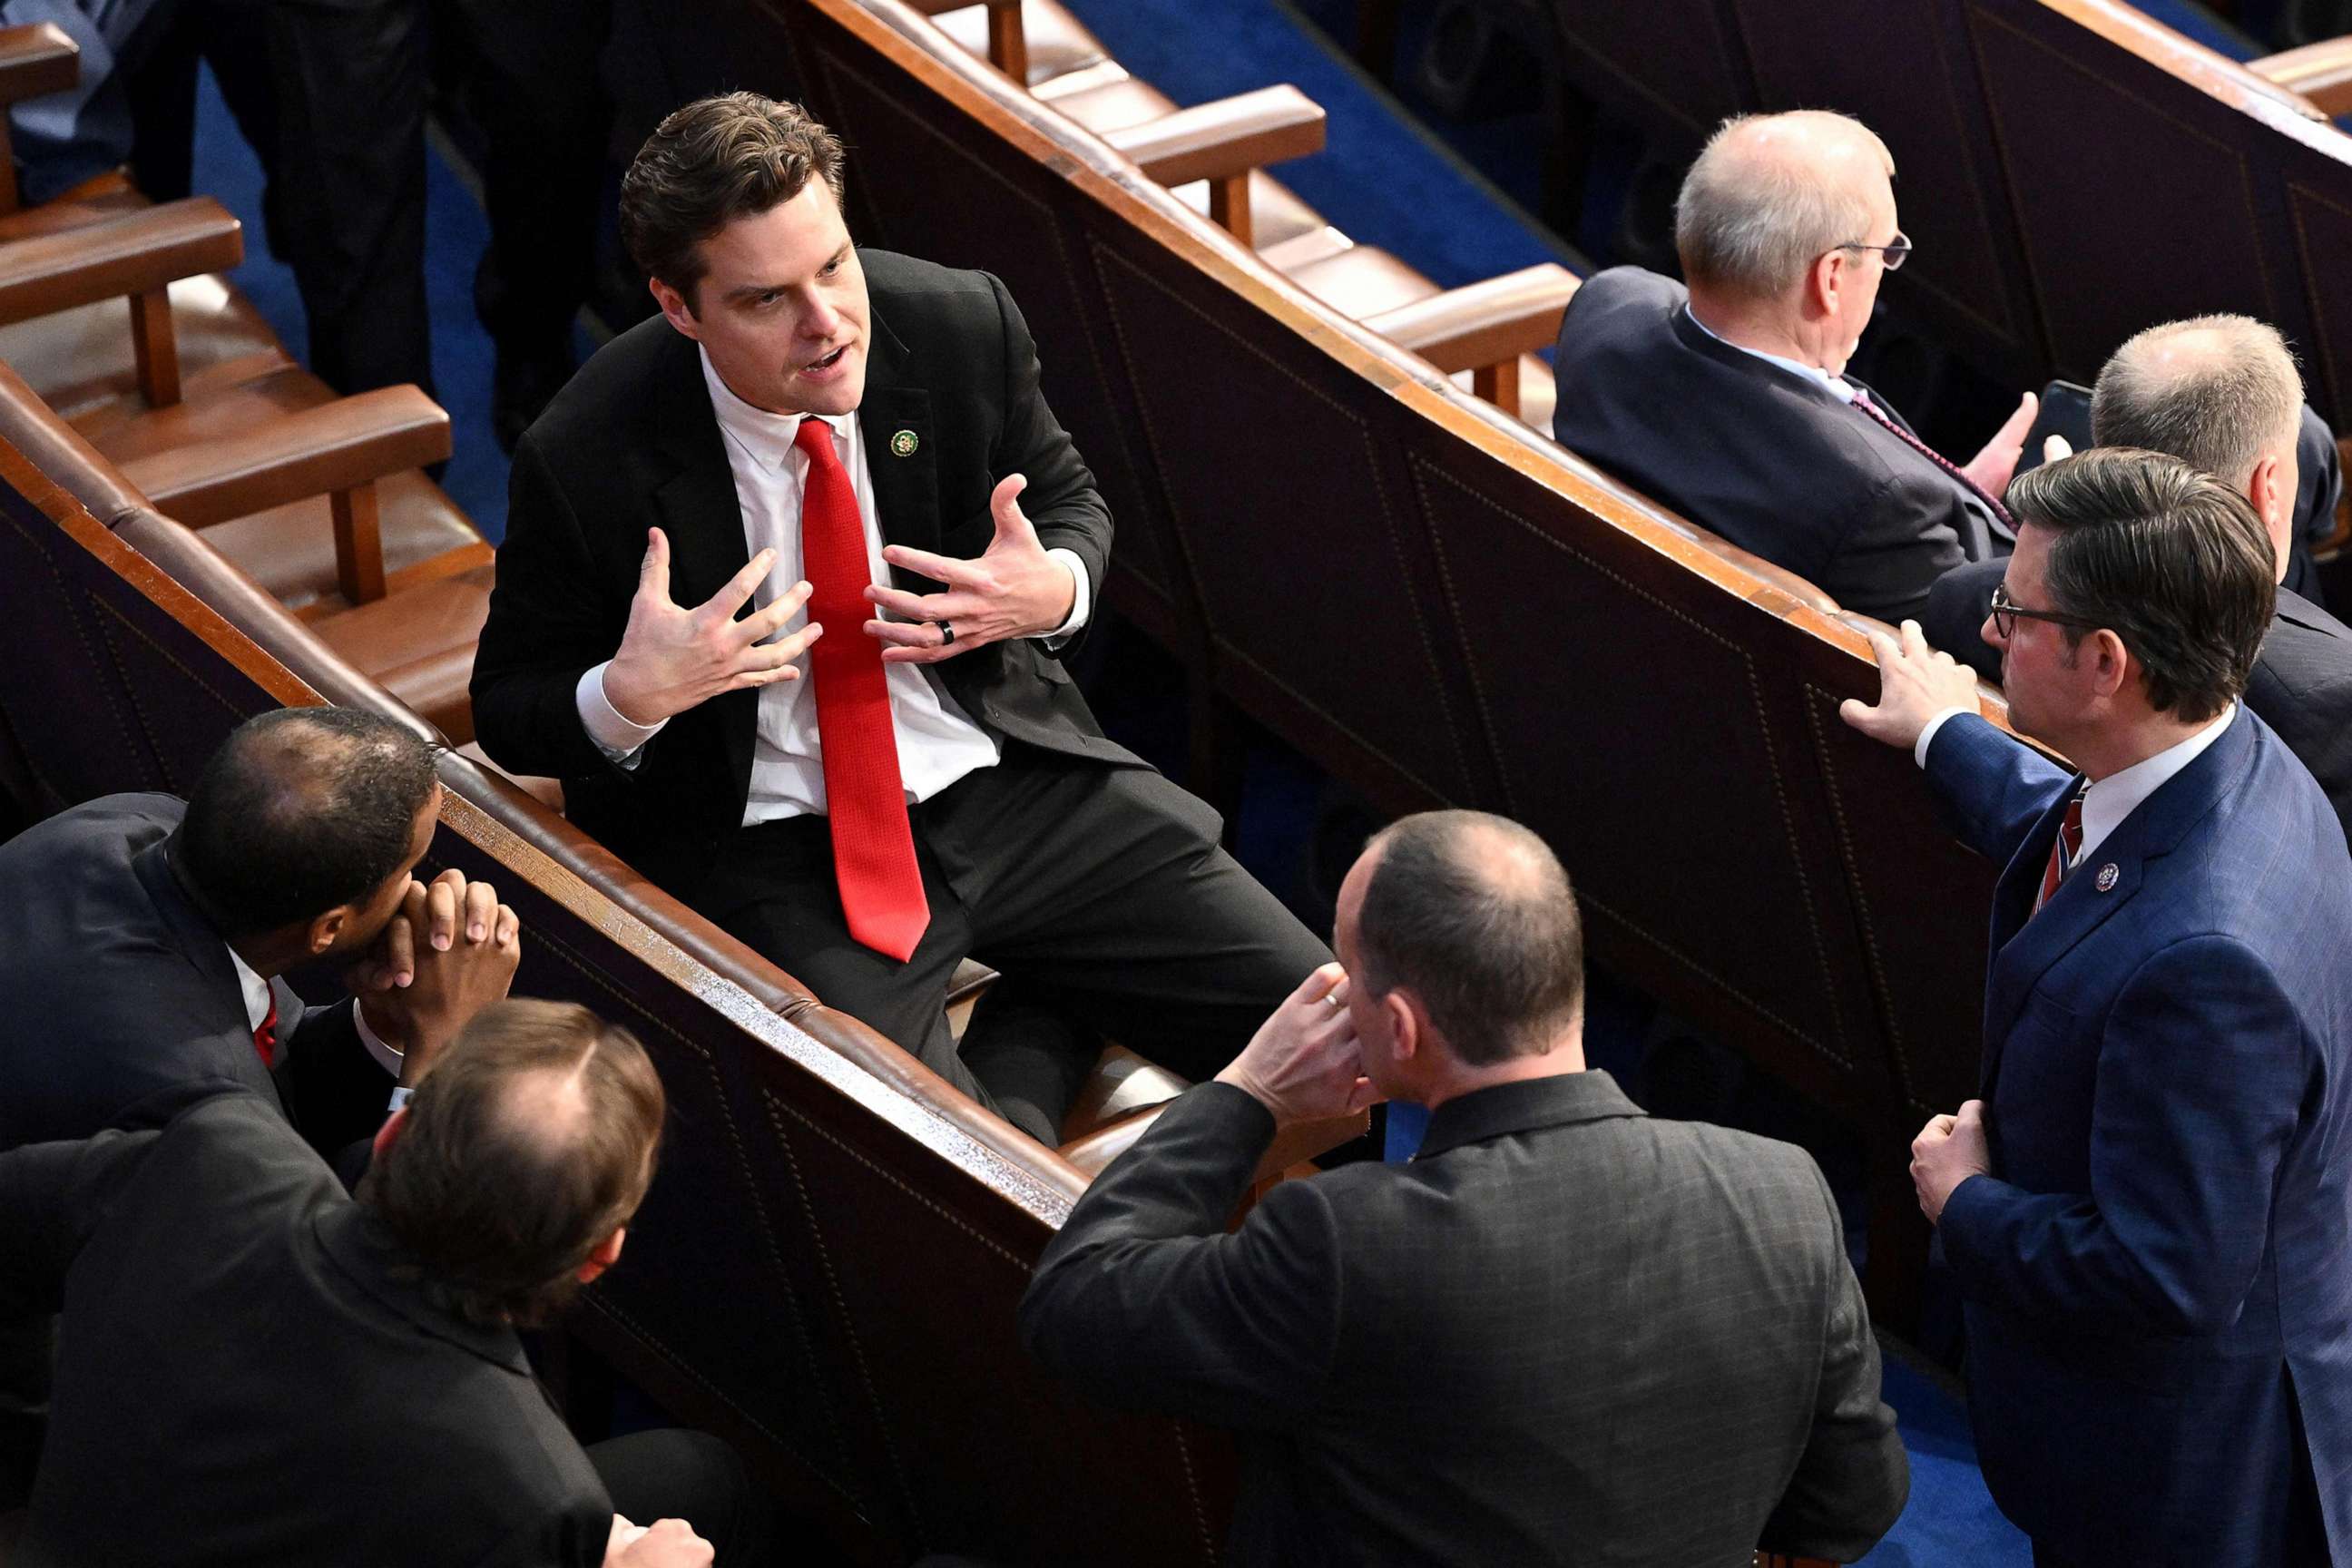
(2066, 411)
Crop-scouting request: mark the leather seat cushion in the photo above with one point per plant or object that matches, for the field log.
(548, 792)
(290, 549)
(1537, 393)
(1115, 106)
(1275, 214)
(419, 645)
(81, 361)
(1058, 42)
(1363, 281)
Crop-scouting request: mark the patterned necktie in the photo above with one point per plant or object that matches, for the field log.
(1885, 421)
(2062, 849)
(873, 848)
(264, 1039)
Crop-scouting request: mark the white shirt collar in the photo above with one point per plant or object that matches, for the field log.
(2106, 803)
(256, 989)
(767, 437)
(1836, 386)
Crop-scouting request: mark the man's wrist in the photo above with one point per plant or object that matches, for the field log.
(1928, 731)
(631, 705)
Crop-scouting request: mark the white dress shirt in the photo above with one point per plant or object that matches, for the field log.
(257, 1012)
(2107, 802)
(1836, 386)
(938, 743)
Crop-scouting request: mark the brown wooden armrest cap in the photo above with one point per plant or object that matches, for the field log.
(1482, 323)
(138, 253)
(2322, 72)
(1228, 137)
(1293, 1142)
(36, 59)
(315, 451)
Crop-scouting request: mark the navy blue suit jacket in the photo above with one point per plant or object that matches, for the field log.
(2158, 1271)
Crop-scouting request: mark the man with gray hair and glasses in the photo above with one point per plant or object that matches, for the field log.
(2221, 393)
(1728, 401)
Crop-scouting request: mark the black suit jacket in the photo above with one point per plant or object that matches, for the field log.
(2301, 684)
(249, 1371)
(1564, 1333)
(1763, 456)
(633, 442)
(114, 987)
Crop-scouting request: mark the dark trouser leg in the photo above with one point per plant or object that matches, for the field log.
(678, 1474)
(1104, 891)
(336, 110)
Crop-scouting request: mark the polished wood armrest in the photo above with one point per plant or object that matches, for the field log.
(1223, 142)
(338, 450)
(1485, 327)
(137, 257)
(2321, 72)
(1008, 42)
(36, 59)
(1294, 1143)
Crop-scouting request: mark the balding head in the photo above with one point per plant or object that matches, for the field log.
(1474, 915)
(1771, 193)
(528, 1146)
(2220, 393)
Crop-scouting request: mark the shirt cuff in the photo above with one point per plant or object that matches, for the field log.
(385, 1057)
(618, 738)
(400, 1096)
(1081, 603)
(1928, 735)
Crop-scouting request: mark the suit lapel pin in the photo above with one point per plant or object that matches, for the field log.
(904, 443)
(2107, 875)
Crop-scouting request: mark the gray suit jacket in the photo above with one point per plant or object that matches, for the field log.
(1565, 1334)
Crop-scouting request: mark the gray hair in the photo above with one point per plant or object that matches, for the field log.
(2219, 408)
(1754, 225)
(1474, 915)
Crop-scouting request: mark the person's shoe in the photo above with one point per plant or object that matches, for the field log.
(522, 387)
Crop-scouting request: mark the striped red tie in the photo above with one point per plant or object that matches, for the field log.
(873, 846)
(264, 1039)
(2062, 850)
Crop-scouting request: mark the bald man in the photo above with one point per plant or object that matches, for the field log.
(1728, 402)
(2222, 395)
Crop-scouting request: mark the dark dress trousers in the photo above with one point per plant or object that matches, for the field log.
(1766, 457)
(1070, 864)
(2301, 684)
(1566, 1332)
(2157, 1274)
(251, 1371)
(114, 987)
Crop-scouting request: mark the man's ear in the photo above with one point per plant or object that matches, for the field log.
(674, 309)
(325, 928)
(607, 1253)
(2112, 664)
(1825, 283)
(1408, 1023)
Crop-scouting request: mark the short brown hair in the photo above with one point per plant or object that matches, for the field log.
(2171, 560)
(716, 160)
(1472, 915)
(530, 1142)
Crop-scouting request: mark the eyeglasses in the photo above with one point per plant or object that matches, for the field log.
(1892, 257)
(2007, 612)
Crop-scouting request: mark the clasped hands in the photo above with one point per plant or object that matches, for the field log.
(672, 659)
(450, 952)
(1305, 1063)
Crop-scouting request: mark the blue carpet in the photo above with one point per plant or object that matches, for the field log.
(455, 233)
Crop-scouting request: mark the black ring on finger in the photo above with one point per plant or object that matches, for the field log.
(947, 634)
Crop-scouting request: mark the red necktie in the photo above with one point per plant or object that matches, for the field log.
(1862, 401)
(264, 1039)
(873, 848)
(2062, 850)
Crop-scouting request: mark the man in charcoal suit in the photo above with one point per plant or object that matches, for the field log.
(873, 422)
(1727, 401)
(1565, 1332)
(2148, 1211)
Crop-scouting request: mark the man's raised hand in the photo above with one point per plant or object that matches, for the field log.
(673, 658)
(1991, 469)
(1305, 1062)
(1014, 590)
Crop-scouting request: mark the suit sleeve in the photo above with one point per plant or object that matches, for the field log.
(52, 1196)
(547, 627)
(1895, 545)
(1853, 1476)
(1958, 604)
(1991, 787)
(336, 1094)
(1068, 512)
(1144, 1301)
(2202, 1071)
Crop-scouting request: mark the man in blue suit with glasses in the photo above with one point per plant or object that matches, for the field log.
(2147, 1210)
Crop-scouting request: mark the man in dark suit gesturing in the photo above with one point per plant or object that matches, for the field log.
(2146, 1211)
(936, 786)
(2221, 393)
(1729, 402)
(1566, 1332)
